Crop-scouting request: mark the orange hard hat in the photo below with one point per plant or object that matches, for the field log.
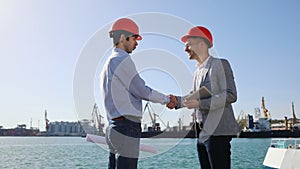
(199, 31)
(128, 25)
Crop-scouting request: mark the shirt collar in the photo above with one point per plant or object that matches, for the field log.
(120, 51)
(200, 66)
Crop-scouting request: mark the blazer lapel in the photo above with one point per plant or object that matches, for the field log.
(205, 70)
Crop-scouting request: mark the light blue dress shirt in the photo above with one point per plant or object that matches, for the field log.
(123, 89)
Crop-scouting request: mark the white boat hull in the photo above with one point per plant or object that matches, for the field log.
(279, 158)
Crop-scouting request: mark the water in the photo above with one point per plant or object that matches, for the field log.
(75, 152)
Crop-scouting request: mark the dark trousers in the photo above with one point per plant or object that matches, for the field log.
(123, 139)
(215, 153)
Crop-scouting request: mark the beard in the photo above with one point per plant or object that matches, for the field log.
(128, 49)
(192, 56)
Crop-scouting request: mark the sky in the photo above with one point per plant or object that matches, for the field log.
(42, 43)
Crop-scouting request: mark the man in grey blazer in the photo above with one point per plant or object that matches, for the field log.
(215, 112)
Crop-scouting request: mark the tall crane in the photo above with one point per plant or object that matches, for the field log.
(294, 115)
(264, 108)
(241, 116)
(153, 117)
(97, 119)
(242, 121)
(46, 121)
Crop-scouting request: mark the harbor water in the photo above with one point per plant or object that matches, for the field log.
(76, 153)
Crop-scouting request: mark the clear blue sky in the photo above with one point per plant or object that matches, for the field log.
(42, 40)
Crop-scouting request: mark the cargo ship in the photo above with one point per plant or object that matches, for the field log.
(261, 127)
(270, 134)
(191, 131)
(20, 130)
(154, 131)
(265, 127)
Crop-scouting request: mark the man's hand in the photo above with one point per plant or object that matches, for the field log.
(192, 104)
(173, 102)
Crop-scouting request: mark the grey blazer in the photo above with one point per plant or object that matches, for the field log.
(217, 112)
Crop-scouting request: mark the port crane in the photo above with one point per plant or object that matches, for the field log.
(265, 110)
(262, 123)
(46, 121)
(294, 115)
(240, 116)
(242, 120)
(97, 119)
(153, 117)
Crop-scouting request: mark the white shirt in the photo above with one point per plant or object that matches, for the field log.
(197, 81)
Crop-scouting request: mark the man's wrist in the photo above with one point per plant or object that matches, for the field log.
(167, 99)
(179, 105)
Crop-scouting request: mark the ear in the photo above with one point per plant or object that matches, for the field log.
(122, 38)
(202, 43)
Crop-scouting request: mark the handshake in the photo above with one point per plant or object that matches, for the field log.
(173, 102)
(190, 103)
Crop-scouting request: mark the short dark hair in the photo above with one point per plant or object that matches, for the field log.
(116, 35)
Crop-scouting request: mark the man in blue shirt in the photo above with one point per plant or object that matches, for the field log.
(123, 90)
